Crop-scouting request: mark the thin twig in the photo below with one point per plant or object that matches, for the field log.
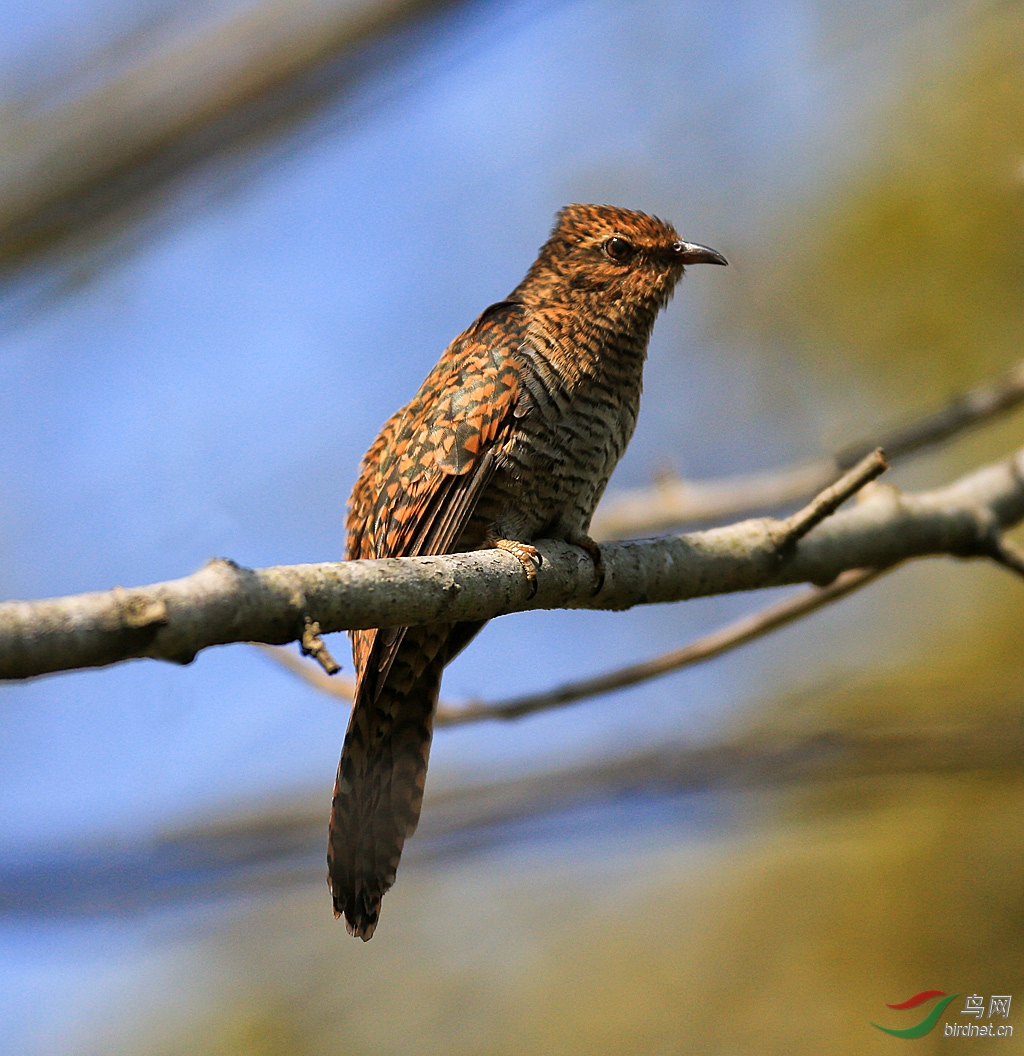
(985, 401)
(828, 501)
(671, 502)
(313, 645)
(340, 687)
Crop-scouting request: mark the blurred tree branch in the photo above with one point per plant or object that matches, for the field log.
(281, 845)
(224, 603)
(64, 165)
(672, 502)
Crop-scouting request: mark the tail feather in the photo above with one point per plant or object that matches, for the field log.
(383, 768)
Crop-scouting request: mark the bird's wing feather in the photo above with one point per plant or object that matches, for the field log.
(423, 476)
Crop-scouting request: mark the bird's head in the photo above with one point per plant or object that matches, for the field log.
(611, 255)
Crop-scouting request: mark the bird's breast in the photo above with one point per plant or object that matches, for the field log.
(575, 427)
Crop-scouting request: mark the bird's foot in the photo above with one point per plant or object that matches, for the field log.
(528, 556)
(584, 542)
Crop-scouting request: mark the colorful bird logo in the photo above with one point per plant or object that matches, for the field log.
(920, 1029)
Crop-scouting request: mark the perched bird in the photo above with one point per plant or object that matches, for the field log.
(511, 438)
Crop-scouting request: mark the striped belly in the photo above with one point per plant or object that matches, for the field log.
(552, 474)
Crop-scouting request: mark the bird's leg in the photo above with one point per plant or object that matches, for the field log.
(584, 542)
(528, 556)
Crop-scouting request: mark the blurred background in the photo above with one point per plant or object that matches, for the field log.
(234, 236)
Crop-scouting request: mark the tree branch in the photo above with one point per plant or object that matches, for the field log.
(713, 644)
(66, 164)
(672, 502)
(722, 640)
(870, 467)
(280, 843)
(224, 603)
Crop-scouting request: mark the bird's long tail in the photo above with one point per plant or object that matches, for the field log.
(379, 789)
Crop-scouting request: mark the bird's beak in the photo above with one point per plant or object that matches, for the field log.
(691, 253)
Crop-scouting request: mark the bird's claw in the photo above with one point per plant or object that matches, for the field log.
(584, 542)
(528, 556)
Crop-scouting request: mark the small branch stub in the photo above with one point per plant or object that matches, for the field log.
(138, 611)
(313, 645)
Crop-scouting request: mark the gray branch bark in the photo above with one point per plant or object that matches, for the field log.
(224, 603)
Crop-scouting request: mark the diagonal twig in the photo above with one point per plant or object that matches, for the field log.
(992, 397)
(313, 645)
(338, 686)
(828, 501)
(726, 638)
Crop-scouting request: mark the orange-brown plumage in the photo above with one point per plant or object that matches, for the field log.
(511, 438)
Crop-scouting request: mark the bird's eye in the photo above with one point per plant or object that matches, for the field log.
(619, 250)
